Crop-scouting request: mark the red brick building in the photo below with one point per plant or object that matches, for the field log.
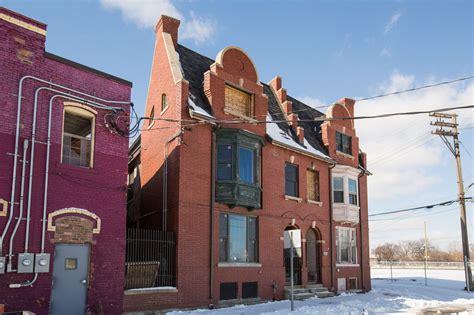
(63, 162)
(229, 186)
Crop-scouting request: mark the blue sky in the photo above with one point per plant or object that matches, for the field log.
(324, 50)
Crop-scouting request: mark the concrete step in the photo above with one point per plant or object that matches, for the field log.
(317, 290)
(315, 285)
(326, 294)
(296, 290)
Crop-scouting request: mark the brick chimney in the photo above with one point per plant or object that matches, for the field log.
(293, 119)
(169, 25)
(280, 92)
(300, 134)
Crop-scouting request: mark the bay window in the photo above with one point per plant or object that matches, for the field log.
(346, 245)
(238, 160)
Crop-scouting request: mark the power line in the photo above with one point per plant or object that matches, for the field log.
(445, 203)
(398, 92)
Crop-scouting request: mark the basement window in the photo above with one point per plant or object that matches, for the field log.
(78, 136)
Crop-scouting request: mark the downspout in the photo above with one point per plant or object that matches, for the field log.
(331, 166)
(165, 178)
(20, 215)
(211, 227)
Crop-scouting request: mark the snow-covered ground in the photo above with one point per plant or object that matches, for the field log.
(407, 293)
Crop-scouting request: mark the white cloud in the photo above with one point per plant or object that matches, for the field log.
(402, 153)
(385, 53)
(145, 14)
(392, 22)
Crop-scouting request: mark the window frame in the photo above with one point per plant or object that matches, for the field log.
(151, 118)
(343, 141)
(315, 182)
(164, 103)
(353, 194)
(84, 111)
(235, 163)
(296, 181)
(352, 248)
(334, 190)
(228, 238)
(254, 164)
(232, 111)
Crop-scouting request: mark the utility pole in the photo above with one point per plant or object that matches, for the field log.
(448, 127)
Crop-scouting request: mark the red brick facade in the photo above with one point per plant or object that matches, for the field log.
(84, 205)
(189, 197)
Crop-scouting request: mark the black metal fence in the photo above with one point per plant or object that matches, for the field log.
(150, 259)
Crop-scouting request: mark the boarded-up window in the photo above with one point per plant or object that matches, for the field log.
(312, 178)
(238, 102)
(228, 291)
(249, 290)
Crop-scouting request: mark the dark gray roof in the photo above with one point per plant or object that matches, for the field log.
(194, 65)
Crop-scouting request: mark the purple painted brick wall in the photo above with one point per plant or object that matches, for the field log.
(100, 190)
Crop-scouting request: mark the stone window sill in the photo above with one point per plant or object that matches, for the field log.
(151, 290)
(164, 110)
(314, 202)
(298, 199)
(347, 265)
(348, 156)
(239, 264)
(150, 125)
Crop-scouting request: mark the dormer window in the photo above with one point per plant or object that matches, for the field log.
(238, 102)
(343, 143)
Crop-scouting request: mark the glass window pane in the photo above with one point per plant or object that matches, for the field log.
(77, 125)
(338, 196)
(224, 162)
(237, 238)
(338, 183)
(246, 164)
(352, 186)
(291, 180)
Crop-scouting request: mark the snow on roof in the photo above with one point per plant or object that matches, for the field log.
(198, 110)
(280, 136)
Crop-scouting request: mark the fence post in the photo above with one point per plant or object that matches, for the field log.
(391, 271)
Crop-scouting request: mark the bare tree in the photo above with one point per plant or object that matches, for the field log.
(387, 251)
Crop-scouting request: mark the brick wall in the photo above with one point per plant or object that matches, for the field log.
(189, 191)
(100, 190)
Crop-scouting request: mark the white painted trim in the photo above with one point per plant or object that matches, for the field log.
(347, 265)
(314, 202)
(298, 199)
(172, 58)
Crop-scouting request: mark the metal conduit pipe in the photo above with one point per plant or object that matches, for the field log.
(17, 136)
(20, 215)
(33, 141)
(48, 147)
(24, 284)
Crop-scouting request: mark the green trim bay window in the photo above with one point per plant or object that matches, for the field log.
(238, 168)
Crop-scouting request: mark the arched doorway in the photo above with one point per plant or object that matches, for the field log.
(313, 255)
(297, 260)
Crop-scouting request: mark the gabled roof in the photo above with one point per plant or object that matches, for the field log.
(194, 65)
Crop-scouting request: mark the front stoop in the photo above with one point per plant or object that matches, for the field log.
(313, 290)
